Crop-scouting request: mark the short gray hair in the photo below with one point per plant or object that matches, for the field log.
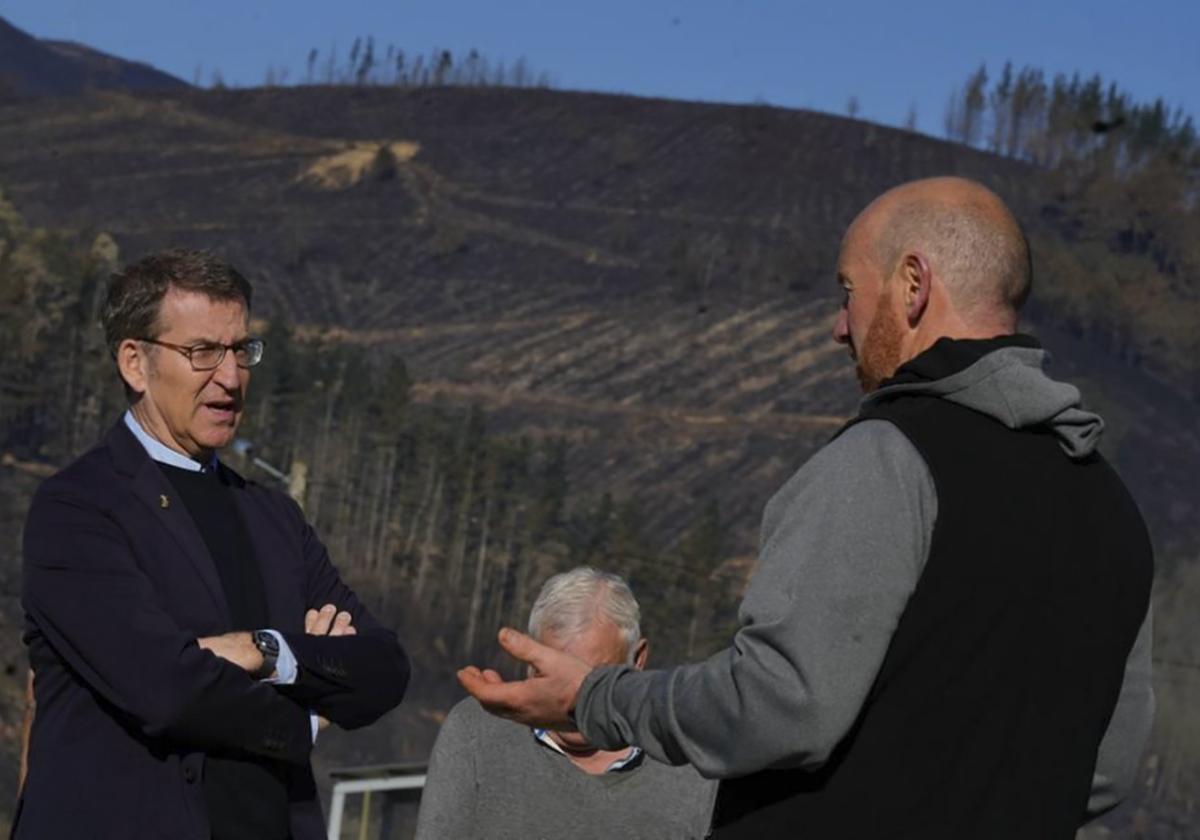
(572, 601)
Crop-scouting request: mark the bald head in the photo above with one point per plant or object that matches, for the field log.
(969, 237)
(932, 259)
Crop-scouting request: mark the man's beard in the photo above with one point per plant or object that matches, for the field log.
(880, 354)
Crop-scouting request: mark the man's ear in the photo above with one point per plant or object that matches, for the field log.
(134, 364)
(641, 652)
(916, 278)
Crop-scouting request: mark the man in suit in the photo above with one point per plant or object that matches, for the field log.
(188, 633)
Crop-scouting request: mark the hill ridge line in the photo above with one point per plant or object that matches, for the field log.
(428, 391)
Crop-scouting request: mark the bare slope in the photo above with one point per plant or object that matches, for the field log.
(650, 275)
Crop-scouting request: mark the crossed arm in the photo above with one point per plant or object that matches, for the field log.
(238, 648)
(95, 613)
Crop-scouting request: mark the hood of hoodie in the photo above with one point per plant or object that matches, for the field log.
(1005, 379)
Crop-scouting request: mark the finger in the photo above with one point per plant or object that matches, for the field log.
(492, 676)
(494, 696)
(324, 620)
(340, 624)
(522, 647)
(350, 631)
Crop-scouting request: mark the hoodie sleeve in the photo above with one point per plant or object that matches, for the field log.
(843, 546)
(1128, 729)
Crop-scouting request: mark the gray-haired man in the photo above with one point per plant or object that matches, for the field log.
(490, 778)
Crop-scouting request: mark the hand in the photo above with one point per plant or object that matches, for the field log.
(327, 621)
(545, 699)
(238, 648)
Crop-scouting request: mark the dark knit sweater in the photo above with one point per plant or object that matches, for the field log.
(246, 796)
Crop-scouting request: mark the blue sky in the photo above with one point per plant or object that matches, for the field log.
(888, 55)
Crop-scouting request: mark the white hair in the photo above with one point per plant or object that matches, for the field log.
(571, 602)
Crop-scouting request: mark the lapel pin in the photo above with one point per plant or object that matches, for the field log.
(164, 502)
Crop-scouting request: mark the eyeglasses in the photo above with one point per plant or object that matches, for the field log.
(209, 355)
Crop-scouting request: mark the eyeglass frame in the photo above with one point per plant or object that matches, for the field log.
(187, 350)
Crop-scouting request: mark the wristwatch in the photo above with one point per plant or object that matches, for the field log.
(268, 646)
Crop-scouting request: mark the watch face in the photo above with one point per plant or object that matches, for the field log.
(266, 643)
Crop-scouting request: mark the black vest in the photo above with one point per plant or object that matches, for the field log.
(1005, 667)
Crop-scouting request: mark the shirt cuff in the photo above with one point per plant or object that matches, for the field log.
(286, 669)
(316, 725)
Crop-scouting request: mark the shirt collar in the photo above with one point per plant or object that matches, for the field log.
(626, 762)
(162, 453)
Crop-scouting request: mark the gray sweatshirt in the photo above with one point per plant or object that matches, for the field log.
(489, 779)
(826, 597)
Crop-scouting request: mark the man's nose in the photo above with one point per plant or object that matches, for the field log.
(841, 327)
(226, 374)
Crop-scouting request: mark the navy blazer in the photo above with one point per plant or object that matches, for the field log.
(118, 585)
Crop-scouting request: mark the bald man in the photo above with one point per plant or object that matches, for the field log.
(947, 633)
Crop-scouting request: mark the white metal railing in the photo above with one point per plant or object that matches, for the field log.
(369, 781)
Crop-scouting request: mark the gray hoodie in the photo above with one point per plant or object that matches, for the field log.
(827, 594)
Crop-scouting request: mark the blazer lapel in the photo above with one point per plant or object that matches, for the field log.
(153, 490)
